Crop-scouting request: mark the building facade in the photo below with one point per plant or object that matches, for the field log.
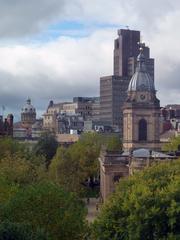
(66, 116)
(115, 165)
(6, 126)
(126, 50)
(28, 114)
(113, 92)
(29, 128)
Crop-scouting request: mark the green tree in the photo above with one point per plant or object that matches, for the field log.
(80, 161)
(16, 169)
(46, 146)
(47, 206)
(7, 190)
(145, 206)
(66, 170)
(173, 145)
(114, 143)
(14, 231)
(10, 146)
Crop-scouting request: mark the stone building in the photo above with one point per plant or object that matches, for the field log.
(29, 128)
(67, 124)
(28, 114)
(71, 114)
(50, 116)
(115, 165)
(6, 126)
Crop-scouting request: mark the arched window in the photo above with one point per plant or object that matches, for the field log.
(142, 130)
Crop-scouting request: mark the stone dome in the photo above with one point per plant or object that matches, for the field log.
(28, 107)
(141, 80)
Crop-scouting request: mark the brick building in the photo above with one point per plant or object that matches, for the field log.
(6, 126)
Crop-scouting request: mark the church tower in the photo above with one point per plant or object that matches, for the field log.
(28, 114)
(141, 111)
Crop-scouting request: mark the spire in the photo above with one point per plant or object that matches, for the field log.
(28, 101)
(141, 61)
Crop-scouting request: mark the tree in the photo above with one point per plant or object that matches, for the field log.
(46, 146)
(10, 146)
(72, 166)
(114, 143)
(145, 206)
(18, 164)
(66, 170)
(7, 190)
(173, 145)
(14, 231)
(47, 206)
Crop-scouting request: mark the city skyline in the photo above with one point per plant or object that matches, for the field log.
(59, 50)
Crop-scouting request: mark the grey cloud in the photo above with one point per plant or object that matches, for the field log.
(22, 18)
(40, 89)
(169, 80)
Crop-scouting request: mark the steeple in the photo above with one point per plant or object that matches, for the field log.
(28, 101)
(141, 110)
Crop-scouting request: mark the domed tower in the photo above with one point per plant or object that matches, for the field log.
(28, 114)
(141, 111)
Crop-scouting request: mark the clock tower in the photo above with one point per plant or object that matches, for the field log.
(141, 111)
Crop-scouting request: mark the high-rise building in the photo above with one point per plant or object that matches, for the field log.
(125, 46)
(126, 50)
(113, 89)
(112, 96)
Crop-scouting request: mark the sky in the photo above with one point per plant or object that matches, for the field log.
(58, 49)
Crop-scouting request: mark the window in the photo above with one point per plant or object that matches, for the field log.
(142, 130)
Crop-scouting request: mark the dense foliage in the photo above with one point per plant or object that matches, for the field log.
(18, 164)
(173, 145)
(32, 207)
(46, 146)
(15, 231)
(72, 166)
(145, 206)
(47, 206)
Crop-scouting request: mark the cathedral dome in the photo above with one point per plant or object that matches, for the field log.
(28, 107)
(141, 80)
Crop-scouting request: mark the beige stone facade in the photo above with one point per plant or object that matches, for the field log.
(49, 121)
(113, 167)
(28, 115)
(132, 115)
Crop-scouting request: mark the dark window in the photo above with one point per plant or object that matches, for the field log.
(142, 130)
